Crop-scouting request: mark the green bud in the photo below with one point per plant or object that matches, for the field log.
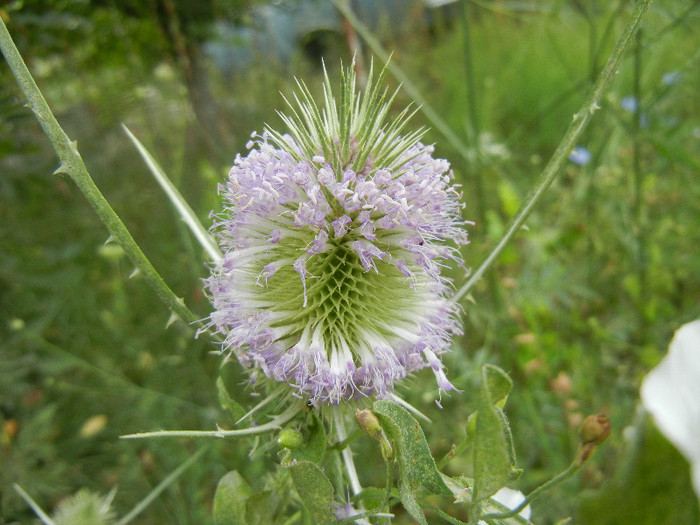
(290, 438)
(368, 422)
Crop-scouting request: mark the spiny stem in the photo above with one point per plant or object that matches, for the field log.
(73, 166)
(276, 423)
(579, 123)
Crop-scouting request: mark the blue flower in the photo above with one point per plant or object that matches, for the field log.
(580, 155)
(630, 104)
(672, 78)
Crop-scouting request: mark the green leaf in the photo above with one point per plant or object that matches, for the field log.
(370, 497)
(261, 508)
(509, 199)
(314, 489)
(227, 402)
(417, 468)
(314, 446)
(498, 384)
(230, 499)
(493, 450)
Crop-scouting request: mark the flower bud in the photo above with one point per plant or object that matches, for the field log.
(290, 438)
(369, 423)
(594, 429)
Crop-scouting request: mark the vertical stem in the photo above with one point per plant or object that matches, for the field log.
(579, 123)
(348, 460)
(474, 128)
(638, 204)
(347, 454)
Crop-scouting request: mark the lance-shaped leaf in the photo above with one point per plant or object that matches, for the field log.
(493, 450)
(417, 470)
(314, 489)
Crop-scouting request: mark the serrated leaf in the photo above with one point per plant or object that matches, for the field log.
(314, 489)
(493, 450)
(417, 469)
(230, 499)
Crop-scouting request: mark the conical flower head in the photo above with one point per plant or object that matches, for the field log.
(334, 236)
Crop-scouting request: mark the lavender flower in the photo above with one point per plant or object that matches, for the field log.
(334, 240)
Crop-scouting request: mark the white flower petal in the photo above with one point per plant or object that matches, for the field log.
(511, 498)
(671, 394)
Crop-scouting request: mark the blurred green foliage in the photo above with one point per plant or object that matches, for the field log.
(585, 300)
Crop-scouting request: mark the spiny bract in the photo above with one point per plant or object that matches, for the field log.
(334, 237)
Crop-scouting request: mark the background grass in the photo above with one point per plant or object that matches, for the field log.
(577, 309)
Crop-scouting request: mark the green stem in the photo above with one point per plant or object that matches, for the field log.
(563, 476)
(276, 423)
(579, 123)
(34, 505)
(348, 461)
(475, 134)
(145, 502)
(389, 483)
(454, 452)
(638, 204)
(73, 166)
(346, 453)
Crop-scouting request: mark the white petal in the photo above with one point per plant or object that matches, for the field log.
(671, 394)
(511, 498)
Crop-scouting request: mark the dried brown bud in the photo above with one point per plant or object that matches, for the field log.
(594, 429)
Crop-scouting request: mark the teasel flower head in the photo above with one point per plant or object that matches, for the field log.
(334, 237)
